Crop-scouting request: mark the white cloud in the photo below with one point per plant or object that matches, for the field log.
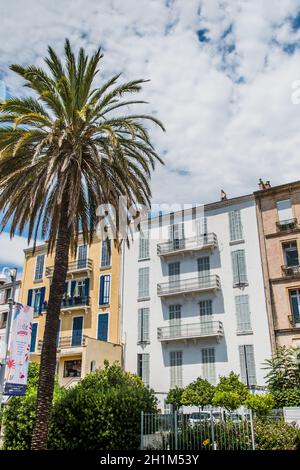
(222, 132)
(11, 251)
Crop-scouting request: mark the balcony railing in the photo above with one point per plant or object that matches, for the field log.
(85, 265)
(209, 329)
(76, 301)
(286, 225)
(197, 284)
(187, 244)
(291, 271)
(67, 342)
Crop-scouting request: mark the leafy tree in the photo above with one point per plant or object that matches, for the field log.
(19, 413)
(262, 405)
(230, 392)
(102, 412)
(174, 398)
(62, 155)
(198, 393)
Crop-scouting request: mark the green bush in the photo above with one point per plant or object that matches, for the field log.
(230, 392)
(19, 413)
(198, 393)
(260, 404)
(174, 398)
(270, 435)
(102, 412)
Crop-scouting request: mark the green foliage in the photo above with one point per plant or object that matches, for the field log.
(19, 413)
(287, 397)
(270, 435)
(260, 404)
(102, 412)
(199, 393)
(230, 392)
(174, 398)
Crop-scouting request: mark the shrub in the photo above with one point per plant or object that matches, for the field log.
(270, 435)
(230, 392)
(260, 404)
(174, 398)
(102, 412)
(199, 393)
(286, 397)
(19, 413)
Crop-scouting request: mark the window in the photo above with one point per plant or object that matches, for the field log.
(290, 254)
(174, 313)
(208, 361)
(239, 268)
(204, 266)
(144, 245)
(247, 364)
(3, 319)
(284, 209)
(33, 337)
(104, 291)
(176, 235)
(235, 226)
(143, 288)
(36, 299)
(205, 308)
(102, 332)
(201, 227)
(72, 368)
(143, 325)
(93, 366)
(175, 369)
(82, 257)
(143, 370)
(242, 314)
(106, 253)
(39, 267)
(77, 331)
(295, 305)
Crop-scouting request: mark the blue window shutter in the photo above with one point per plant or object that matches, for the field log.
(77, 331)
(73, 285)
(42, 299)
(106, 298)
(103, 327)
(33, 337)
(29, 297)
(86, 290)
(101, 290)
(66, 287)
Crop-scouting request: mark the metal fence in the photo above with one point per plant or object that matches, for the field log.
(203, 430)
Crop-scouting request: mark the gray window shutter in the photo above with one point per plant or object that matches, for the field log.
(143, 325)
(204, 265)
(144, 282)
(139, 325)
(239, 267)
(201, 226)
(176, 369)
(235, 225)
(145, 368)
(251, 364)
(243, 364)
(205, 308)
(209, 365)
(242, 313)
(144, 245)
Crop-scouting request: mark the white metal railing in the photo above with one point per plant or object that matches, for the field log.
(291, 270)
(200, 283)
(193, 243)
(85, 264)
(190, 330)
(288, 224)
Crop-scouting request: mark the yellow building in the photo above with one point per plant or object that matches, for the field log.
(90, 329)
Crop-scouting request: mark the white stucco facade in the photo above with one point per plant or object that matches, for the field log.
(216, 329)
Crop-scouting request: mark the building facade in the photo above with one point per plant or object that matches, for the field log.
(193, 301)
(89, 320)
(6, 293)
(278, 214)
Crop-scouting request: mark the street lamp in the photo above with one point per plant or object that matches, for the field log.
(12, 273)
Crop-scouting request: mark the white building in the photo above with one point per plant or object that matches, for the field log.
(193, 300)
(6, 291)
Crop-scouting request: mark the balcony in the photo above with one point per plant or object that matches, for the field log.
(287, 225)
(189, 286)
(291, 271)
(83, 267)
(187, 245)
(209, 329)
(76, 302)
(70, 343)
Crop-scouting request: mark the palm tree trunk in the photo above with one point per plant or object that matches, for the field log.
(48, 356)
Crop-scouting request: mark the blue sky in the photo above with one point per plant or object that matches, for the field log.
(221, 81)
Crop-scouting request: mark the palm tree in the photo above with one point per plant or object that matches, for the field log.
(62, 154)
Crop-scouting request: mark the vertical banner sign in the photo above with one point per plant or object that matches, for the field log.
(18, 351)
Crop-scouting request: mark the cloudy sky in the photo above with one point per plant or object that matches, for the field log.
(222, 76)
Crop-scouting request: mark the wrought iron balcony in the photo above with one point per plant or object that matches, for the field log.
(75, 302)
(185, 286)
(187, 245)
(208, 329)
(291, 271)
(286, 225)
(79, 266)
(67, 342)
